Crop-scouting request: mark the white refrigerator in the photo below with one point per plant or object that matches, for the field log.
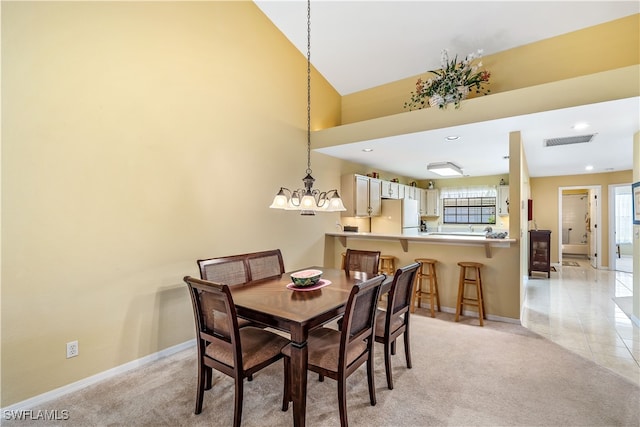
(399, 216)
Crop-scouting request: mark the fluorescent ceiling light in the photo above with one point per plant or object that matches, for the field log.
(444, 169)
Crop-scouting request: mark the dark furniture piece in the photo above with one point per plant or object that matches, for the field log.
(362, 261)
(238, 353)
(394, 322)
(338, 354)
(239, 269)
(271, 303)
(243, 268)
(540, 251)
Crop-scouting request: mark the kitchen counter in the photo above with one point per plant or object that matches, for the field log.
(445, 238)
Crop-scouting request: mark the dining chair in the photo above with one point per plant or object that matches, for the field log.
(394, 321)
(362, 261)
(233, 351)
(240, 269)
(337, 354)
(265, 264)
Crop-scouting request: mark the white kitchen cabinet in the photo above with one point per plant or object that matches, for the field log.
(411, 192)
(502, 204)
(432, 203)
(401, 194)
(361, 195)
(389, 190)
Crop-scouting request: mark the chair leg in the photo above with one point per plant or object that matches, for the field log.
(432, 297)
(320, 377)
(479, 297)
(209, 377)
(387, 364)
(237, 414)
(286, 395)
(342, 401)
(250, 378)
(371, 381)
(201, 386)
(393, 347)
(407, 347)
(435, 281)
(460, 294)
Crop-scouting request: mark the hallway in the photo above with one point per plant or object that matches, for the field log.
(576, 309)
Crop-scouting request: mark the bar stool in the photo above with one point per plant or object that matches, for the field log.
(387, 265)
(427, 271)
(475, 280)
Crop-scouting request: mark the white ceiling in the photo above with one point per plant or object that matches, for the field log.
(360, 44)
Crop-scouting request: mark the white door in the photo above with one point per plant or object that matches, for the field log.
(592, 228)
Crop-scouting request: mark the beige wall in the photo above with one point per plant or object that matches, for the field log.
(615, 44)
(544, 192)
(127, 130)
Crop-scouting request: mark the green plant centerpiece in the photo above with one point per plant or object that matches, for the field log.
(451, 84)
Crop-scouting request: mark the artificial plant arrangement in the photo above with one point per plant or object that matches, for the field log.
(451, 84)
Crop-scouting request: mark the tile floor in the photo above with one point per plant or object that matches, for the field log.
(575, 308)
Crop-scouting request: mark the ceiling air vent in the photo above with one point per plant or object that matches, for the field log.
(553, 142)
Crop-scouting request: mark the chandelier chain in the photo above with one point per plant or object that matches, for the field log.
(309, 87)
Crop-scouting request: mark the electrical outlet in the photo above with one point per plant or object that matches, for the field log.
(72, 349)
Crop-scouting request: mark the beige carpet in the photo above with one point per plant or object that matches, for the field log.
(463, 375)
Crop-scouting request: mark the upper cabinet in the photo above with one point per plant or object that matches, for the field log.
(430, 203)
(361, 195)
(390, 190)
(412, 193)
(502, 207)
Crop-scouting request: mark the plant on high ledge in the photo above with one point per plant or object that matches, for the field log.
(451, 84)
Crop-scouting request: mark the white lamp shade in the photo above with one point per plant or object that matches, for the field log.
(308, 203)
(279, 202)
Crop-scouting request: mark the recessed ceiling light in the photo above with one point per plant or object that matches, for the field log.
(452, 138)
(580, 126)
(589, 168)
(367, 150)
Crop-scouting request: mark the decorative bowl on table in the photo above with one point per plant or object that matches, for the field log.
(306, 278)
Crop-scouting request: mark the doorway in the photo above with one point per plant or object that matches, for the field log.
(620, 228)
(579, 213)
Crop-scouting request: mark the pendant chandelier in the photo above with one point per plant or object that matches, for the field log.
(307, 200)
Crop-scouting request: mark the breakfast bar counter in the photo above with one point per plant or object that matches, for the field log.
(501, 272)
(445, 238)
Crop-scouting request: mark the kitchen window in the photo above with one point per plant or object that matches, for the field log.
(469, 205)
(469, 210)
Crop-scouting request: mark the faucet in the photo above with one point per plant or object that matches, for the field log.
(488, 229)
(470, 229)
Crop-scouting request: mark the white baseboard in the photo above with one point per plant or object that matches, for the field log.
(85, 382)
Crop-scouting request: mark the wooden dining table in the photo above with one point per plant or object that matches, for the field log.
(271, 303)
